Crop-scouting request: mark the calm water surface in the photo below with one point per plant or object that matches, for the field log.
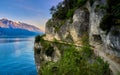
(17, 56)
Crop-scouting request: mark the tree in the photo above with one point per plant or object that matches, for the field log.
(52, 10)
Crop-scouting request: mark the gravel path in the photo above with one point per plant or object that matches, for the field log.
(115, 67)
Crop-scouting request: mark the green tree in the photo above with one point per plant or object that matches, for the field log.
(52, 10)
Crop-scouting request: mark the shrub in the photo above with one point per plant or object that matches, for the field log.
(37, 51)
(106, 22)
(46, 44)
(70, 13)
(87, 51)
(85, 39)
(100, 7)
(49, 23)
(39, 38)
(81, 2)
(73, 62)
(49, 51)
(66, 8)
(57, 26)
(112, 16)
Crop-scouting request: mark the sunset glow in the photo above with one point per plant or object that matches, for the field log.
(34, 12)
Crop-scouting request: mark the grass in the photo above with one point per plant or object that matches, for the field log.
(74, 61)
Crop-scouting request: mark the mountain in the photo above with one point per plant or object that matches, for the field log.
(11, 28)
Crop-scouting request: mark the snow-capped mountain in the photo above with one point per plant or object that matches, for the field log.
(11, 28)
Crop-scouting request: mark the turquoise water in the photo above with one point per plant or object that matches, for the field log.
(17, 56)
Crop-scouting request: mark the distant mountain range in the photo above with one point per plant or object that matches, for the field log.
(11, 28)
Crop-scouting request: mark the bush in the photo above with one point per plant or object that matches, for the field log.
(58, 24)
(66, 8)
(74, 62)
(39, 38)
(49, 51)
(112, 16)
(81, 2)
(37, 51)
(85, 39)
(70, 13)
(100, 7)
(106, 22)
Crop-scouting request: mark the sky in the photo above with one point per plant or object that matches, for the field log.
(34, 12)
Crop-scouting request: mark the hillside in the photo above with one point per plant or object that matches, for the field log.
(81, 38)
(11, 28)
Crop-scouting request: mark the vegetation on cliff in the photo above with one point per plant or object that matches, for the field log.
(112, 17)
(66, 8)
(74, 60)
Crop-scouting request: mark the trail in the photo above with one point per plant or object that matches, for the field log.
(114, 66)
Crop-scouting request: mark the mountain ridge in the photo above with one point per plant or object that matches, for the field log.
(11, 28)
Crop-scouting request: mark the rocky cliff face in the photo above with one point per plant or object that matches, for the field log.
(71, 30)
(86, 20)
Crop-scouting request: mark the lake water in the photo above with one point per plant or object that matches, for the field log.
(17, 56)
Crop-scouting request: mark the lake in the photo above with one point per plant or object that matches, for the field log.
(17, 56)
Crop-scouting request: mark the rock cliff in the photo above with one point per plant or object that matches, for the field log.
(85, 20)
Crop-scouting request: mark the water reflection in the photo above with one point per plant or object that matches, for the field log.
(8, 40)
(17, 51)
(17, 56)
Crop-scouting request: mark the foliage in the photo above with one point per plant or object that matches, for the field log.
(53, 10)
(39, 38)
(100, 7)
(45, 45)
(81, 2)
(66, 8)
(76, 62)
(59, 12)
(37, 51)
(85, 39)
(112, 16)
(56, 24)
(49, 51)
(70, 13)
(106, 22)
(49, 23)
(118, 73)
